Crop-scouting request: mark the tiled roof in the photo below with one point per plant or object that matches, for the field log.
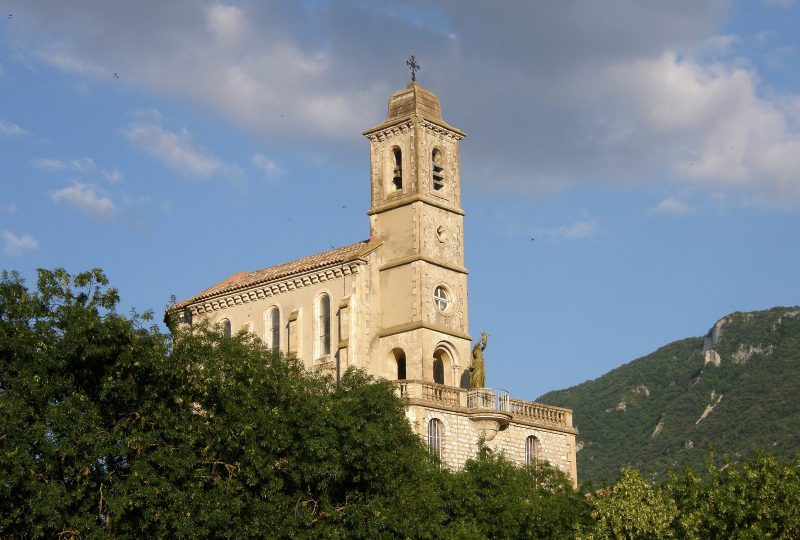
(243, 280)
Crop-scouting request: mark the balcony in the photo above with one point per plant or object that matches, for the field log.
(485, 405)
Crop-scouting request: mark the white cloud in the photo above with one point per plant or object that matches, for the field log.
(632, 95)
(581, 229)
(18, 244)
(272, 170)
(86, 199)
(710, 121)
(113, 176)
(10, 129)
(82, 165)
(176, 150)
(670, 206)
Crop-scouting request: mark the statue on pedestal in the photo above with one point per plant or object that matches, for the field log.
(477, 371)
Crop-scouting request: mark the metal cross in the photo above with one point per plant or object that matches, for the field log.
(414, 67)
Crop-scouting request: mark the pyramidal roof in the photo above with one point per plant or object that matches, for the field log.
(414, 101)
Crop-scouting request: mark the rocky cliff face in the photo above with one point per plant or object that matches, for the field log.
(734, 390)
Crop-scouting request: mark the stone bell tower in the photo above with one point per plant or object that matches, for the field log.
(416, 215)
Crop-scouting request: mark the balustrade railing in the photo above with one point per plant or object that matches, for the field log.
(537, 411)
(493, 399)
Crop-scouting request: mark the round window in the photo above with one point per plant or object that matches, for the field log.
(441, 296)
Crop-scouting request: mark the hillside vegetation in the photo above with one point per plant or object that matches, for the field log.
(734, 391)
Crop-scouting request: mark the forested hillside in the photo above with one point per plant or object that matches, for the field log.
(734, 391)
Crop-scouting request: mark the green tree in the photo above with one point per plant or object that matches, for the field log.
(108, 428)
(631, 508)
(493, 498)
(759, 498)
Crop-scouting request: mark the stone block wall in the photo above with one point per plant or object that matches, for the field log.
(459, 440)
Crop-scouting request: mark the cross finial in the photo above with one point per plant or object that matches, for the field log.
(414, 67)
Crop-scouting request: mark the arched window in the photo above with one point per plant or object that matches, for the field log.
(400, 358)
(438, 367)
(435, 430)
(437, 169)
(397, 171)
(324, 325)
(531, 450)
(226, 327)
(273, 328)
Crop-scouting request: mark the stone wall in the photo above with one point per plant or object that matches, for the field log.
(460, 440)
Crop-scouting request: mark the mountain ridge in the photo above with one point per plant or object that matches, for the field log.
(734, 391)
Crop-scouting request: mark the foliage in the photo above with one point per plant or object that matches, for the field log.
(631, 509)
(493, 498)
(112, 429)
(753, 394)
(759, 498)
(109, 428)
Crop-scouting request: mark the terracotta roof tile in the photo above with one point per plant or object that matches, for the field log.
(243, 280)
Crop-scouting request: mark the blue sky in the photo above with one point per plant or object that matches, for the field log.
(651, 149)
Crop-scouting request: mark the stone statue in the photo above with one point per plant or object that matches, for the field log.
(477, 371)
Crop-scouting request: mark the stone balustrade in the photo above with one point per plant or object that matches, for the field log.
(483, 399)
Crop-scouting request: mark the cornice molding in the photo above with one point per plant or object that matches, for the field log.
(411, 200)
(413, 258)
(401, 125)
(265, 290)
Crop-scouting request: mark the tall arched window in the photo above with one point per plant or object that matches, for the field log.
(435, 431)
(397, 170)
(324, 325)
(226, 327)
(437, 169)
(531, 450)
(400, 360)
(438, 367)
(273, 328)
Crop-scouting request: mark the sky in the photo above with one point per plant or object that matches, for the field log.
(631, 171)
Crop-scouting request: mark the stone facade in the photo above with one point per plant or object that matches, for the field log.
(396, 305)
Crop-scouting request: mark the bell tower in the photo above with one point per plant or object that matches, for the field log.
(416, 215)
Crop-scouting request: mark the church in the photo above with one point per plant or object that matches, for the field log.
(395, 305)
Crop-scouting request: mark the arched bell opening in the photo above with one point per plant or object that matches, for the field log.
(397, 364)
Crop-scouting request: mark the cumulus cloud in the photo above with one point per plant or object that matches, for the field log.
(18, 244)
(637, 91)
(86, 199)
(10, 129)
(177, 150)
(670, 206)
(581, 229)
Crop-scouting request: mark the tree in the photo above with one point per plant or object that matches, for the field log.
(493, 498)
(110, 428)
(759, 498)
(631, 508)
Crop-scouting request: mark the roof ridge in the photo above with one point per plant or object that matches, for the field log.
(242, 280)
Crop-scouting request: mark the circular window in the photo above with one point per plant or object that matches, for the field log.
(441, 296)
